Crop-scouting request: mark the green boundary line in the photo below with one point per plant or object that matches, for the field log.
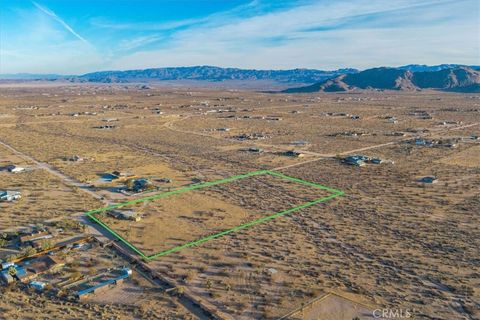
(91, 214)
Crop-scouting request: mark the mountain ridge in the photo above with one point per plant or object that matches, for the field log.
(455, 79)
(212, 73)
(408, 77)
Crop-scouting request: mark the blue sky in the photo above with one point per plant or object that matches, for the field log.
(78, 36)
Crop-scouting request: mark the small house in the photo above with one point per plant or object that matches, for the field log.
(357, 160)
(428, 179)
(300, 143)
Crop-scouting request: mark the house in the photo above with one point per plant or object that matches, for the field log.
(293, 153)
(106, 127)
(422, 142)
(109, 176)
(273, 118)
(139, 185)
(37, 285)
(124, 215)
(73, 158)
(376, 161)
(157, 111)
(357, 160)
(15, 169)
(428, 179)
(254, 150)
(252, 136)
(9, 196)
(300, 143)
(44, 264)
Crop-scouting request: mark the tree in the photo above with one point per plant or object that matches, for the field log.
(28, 251)
(208, 284)
(46, 244)
(12, 271)
(179, 290)
(3, 243)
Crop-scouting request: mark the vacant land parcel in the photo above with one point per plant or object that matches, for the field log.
(202, 212)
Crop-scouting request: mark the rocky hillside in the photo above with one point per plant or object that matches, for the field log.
(458, 79)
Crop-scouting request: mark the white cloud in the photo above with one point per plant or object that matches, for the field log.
(129, 44)
(426, 32)
(39, 44)
(54, 16)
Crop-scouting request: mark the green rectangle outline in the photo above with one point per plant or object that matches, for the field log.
(91, 214)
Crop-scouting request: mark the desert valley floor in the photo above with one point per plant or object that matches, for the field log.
(404, 234)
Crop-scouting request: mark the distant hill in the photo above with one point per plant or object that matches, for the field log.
(449, 77)
(457, 79)
(209, 73)
(32, 76)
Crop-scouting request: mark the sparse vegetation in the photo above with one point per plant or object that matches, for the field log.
(388, 240)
